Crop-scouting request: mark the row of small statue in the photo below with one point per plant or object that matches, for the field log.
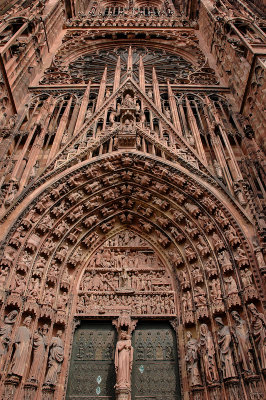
(26, 341)
(140, 304)
(203, 349)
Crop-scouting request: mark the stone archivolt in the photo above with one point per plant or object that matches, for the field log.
(126, 239)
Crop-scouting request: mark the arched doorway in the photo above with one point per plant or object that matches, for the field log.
(125, 276)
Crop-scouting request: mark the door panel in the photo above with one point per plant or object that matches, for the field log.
(155, 372)
(92, 373)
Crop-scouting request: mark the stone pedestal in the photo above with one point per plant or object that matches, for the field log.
(123, 394)
(10, 388)
(30, 390)
(47, 393)
(198, 393)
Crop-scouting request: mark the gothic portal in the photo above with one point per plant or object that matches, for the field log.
(132, 199)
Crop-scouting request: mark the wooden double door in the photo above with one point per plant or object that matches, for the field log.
(155, 367)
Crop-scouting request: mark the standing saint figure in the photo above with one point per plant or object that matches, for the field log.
(258, 324)
(244, 348)
(192, 360)
(208, 354)
(22, 344)
(56, 357)
(5, 331)
(226, 354)
(123, 361)
(39, 347)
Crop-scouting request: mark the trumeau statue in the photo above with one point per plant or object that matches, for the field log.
(123, 361)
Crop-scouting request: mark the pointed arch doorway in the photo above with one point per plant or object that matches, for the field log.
(125, 275)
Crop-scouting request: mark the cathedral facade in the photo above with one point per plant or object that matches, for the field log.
(132, 200)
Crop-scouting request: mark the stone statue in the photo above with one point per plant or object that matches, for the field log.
(192, 360)
(5, 331)
(22, 344)
(56, 357)
(39, 347)
(226, 354)
(208, 354)
(123, 361)
(128, 101)
(259, 332)
(124, 278)
(244, 348)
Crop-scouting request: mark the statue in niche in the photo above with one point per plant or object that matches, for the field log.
(224, 259)
(247, 281)
(18, 284)
(34, 286)
(232, 291)
(128, 126)
(22, 344)
(128, 101)
(208, 354)
(244, 348)
(56, 357)
(5, 331)
(123, 361)
(226, 354)
(3, 276)
(39, 347)
(192, 360)
(258, 323)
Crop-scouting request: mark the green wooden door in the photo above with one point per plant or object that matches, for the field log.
(92, 372)
(155, 367)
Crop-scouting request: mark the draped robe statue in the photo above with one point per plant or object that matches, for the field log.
(123, 361)
(226, 354)
(39, 347)
(22, 344)
(5, 331)
(258, 324)
(244, 347)
(208, 354)
(56, 357)
(192, 361)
